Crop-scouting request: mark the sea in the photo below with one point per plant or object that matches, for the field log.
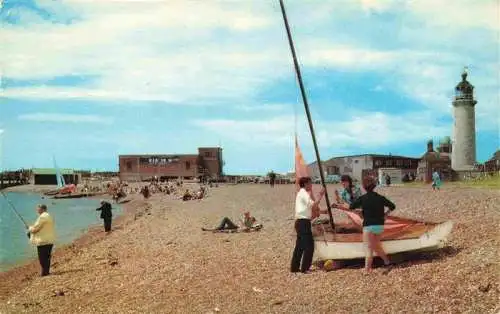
(72, 218)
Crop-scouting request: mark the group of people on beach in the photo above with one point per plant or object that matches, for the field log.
(373, 209)
(42, 232)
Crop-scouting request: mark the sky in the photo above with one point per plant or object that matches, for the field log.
(85, 81)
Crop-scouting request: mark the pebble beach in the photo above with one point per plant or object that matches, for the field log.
(158, 260)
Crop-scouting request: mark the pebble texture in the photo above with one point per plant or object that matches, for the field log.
(164, 263)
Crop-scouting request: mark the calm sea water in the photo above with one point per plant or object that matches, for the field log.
(72, 218)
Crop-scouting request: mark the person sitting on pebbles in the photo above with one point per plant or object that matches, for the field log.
(187, 195)
(200, 194)
(249, 223)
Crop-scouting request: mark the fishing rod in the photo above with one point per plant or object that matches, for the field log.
(16, 212)
(308, 113)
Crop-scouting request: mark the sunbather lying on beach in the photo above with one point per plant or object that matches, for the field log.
(247, 224)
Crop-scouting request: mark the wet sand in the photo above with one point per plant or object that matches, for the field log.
(164, 263)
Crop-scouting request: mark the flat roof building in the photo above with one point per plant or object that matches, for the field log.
(48, 176)
(357, 166)
(207, 163)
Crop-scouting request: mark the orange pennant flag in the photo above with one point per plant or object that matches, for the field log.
(301, 169)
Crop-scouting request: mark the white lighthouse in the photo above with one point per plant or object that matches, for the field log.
(463, 156)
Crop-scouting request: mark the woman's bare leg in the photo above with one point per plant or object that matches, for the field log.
(368, 251)
(377, 246)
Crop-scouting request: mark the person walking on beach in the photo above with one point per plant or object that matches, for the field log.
(43, 237)
(272, 178)
(305, 204)
(106, 215)
(436, 180)
(373, 206)
(145, 192)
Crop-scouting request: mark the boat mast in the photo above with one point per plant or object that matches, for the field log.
(308, 113)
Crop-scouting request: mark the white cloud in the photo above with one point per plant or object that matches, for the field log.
(367, 130)
(263, 107)
(46, 92)
(459, 14)
(151, 51)
(145, 48)
(378, 5)
(65, 118)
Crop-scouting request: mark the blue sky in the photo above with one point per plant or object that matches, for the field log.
(86, 81)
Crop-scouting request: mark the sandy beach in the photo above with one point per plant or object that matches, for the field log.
(164, 263)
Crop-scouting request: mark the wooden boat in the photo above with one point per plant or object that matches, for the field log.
(51, 193)
(73, 195)
(410, 235)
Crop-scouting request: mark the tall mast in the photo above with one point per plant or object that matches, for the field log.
(308, 113)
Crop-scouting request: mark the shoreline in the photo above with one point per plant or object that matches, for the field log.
(26, 271)
(163, 262)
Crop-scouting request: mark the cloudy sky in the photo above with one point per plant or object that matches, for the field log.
(87, 80)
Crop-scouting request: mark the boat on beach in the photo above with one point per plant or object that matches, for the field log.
(75, 195)
(63, 189)
(408, 236)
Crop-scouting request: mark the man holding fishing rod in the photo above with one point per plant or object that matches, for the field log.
(41, 234)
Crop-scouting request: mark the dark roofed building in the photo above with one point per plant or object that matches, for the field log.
(439, 160)
(47, 176)
(357, 166)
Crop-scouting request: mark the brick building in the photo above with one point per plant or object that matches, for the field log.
(208, 162)
(358, 166)
(493, 164)
(436, 160)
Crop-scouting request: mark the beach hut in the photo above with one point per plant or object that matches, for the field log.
(48, 176)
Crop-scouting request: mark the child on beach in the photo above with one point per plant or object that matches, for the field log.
(373, 210)
(436, 180)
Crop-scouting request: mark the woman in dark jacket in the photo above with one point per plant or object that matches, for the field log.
(106, 215)
(373, 207)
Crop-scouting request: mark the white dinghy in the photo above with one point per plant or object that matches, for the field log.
(403, 235)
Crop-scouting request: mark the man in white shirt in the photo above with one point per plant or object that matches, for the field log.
(43, 237)
(305, 204)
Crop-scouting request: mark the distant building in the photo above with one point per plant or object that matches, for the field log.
(493, 164)
(47, 176)
(358, 166)
(438, 160)
(463, 157)
(207, 163)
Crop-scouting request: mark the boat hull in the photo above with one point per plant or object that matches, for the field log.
(337, 249)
